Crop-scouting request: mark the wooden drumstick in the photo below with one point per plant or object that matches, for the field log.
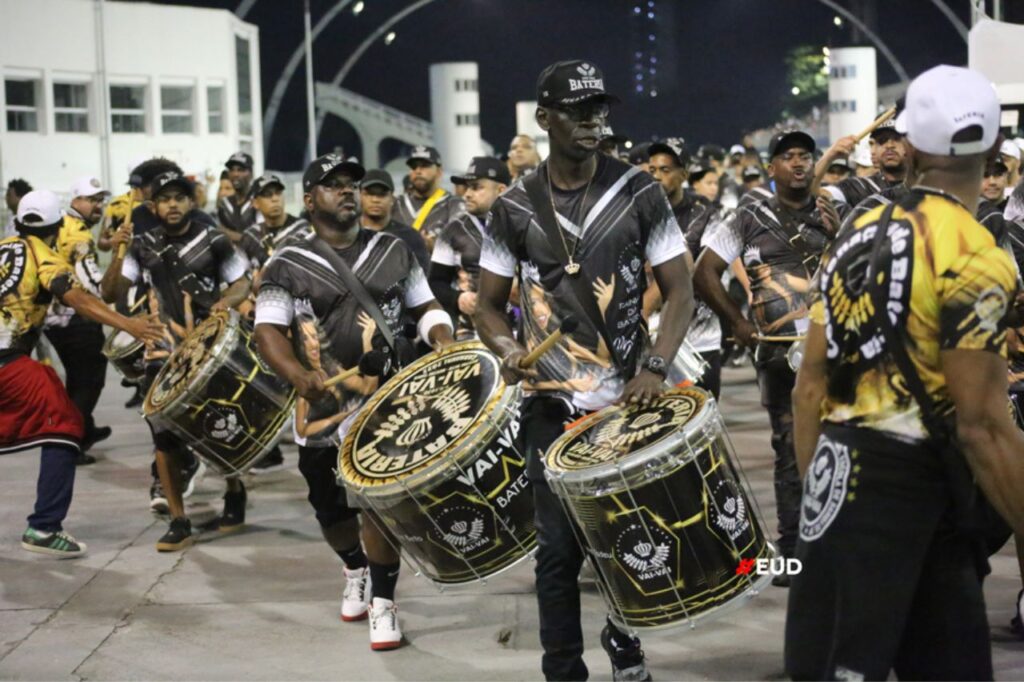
(569, 325)
(885, 116)
(371, 365)
(775, 339)
(122, 248)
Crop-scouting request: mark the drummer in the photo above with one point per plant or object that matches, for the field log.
(780, 240)
(332, 325)
(455, 262)
(625, 219)
(262, 238)
(185, 263)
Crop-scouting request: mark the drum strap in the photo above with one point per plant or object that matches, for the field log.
(788, 231)
(357, 289)
(580, 285)
(186, 278)
(942, 436)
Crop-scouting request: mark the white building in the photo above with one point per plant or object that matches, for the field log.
(526, 124)
(455, 110)
(91, 86)
(852, 90)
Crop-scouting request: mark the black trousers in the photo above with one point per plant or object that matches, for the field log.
(711, 380)
(776, 381)
(80, 349)
(559, 556)
(888, 583)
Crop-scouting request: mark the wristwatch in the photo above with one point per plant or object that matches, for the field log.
(656, 365)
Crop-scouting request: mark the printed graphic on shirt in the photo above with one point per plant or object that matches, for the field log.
(31, 276)
(949, 287)
(259, 241)
(625, 221)
(457, 254)
(75, 245)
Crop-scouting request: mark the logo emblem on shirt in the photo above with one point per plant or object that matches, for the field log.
(824, 488)
(991, 308)
(12, 266)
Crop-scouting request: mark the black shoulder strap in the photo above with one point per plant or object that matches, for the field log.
(186, 278)
(546, 218)
(788, 231)
(356, 288)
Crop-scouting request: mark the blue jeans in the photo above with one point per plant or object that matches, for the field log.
(54, 488)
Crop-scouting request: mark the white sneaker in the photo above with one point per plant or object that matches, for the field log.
(356, 598)
(384, 631)
(189, 482)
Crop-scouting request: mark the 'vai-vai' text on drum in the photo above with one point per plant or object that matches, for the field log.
(661, 508)
(433, 454)
(220, 397)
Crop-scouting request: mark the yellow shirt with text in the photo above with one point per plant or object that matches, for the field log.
(31, 275)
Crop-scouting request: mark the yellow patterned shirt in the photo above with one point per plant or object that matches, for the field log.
(949, 287)
(75, 245)
(31, 275)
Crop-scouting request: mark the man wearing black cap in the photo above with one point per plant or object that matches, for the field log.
(261, 239)
(780, 241)
(837, 171)
(426, 206)
(890, 156)
(377, 196)
(236, 213)
(455, 262)
(186, 264)
(582, 225)
(328, 290)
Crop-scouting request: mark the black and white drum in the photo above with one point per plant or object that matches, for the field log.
(218, 395)
(688, 365)
(126, 354)
(433, 455)
(662, 510)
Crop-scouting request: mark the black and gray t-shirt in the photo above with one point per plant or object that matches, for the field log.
(259, 241)
(625, 220)
(455, 264)
(854, 190)
(236, 217)
(330, 329)
(444, 210)
(779, 275)
(202, 260)
(705, 332)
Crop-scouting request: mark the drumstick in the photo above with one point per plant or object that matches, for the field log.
(569, 325)
(371, 365)
(122, 248)
(885, 116)
(775, 339)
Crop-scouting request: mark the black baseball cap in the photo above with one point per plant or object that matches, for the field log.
(698, 170)
(840, 161)
(751, 173)
(264, 181)
(171, 179)
(424, 153)
(789, 139)
(239, 159)
(458, 179)
(638, 154)
(674, 147)
(487, 168)
(571, 81)
(377, 176)
(711, 151)
(327, 164)
(886, 131)
(996, 167)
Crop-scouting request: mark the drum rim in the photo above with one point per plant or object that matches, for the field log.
(231, 329)
(118, 353)
(623, 467)
(494, 417)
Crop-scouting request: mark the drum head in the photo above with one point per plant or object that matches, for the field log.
(186, 363)
(626, 433)
(120, 344)
(428, 411)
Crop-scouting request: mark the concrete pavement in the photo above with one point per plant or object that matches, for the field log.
(262, 604)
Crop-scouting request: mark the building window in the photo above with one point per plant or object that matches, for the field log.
(128, 108)
(176, 108)
(22, 105)
(242, 71)
(467, 119)
(465, 85)
(215, 108)
(71, 107)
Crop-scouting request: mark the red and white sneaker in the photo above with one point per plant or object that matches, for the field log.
(384, 631)
(355, 600)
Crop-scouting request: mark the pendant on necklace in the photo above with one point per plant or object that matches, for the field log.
(572, 268)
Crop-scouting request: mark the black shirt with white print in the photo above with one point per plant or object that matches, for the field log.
(705, 332)
(854, 190)
(779, 276)
(331, 331)
(260, 241)
(236, 217)
(626, 221)
(455, 265)
(205, 252)
(444, 210)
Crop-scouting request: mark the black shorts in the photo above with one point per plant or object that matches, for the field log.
(887, 583)
(327, 497)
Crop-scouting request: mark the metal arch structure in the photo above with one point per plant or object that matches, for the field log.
(960, 27)
(364, 46)
(243, 8)
(277, 96)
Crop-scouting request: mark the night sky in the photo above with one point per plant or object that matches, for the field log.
(721, 61)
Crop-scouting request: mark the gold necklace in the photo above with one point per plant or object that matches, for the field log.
(572, 268)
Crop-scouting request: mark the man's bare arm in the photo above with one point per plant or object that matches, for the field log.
(808, 394)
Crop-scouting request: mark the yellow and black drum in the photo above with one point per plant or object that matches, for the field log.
(433, 455)
(663, 512)
(220, 397)
(125, 353)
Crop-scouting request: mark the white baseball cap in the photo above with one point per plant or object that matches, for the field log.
(1010, 148)
(737, 149)
(39, 208)
(87, 186)
(951, 111)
